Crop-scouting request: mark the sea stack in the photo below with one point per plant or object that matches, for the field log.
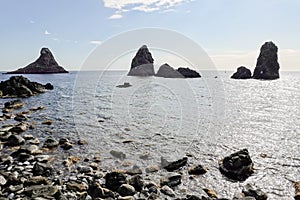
(167, 71)
(188, 73)
(242, 73)
(267, 66)
(142, 63)
(45, 64)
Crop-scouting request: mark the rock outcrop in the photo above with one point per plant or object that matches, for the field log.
(242, 73)
(167, 71)
(188, 73)
(142, 63)
(267, 66)
(19, 86)
(45, 64)
(238, 166)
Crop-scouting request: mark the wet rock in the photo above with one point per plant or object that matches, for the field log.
(14, 104)
(3, 181)
(142, 63)
(258, 194)
(85, 169)
(134, 170)
(267, 66)
(167, 191)
(20, 118)
(45, 191)
(151, 169)
(188, 73)
(210, 193)
(297, 190)
(15, 140)
(166, 71)
(171, 180)
(37, 180)
(49, 86)
(96, 191)
(50, 143)
(65, 144)
(137, 182)
(82, 142)
(197, 170)
(126, 198)
(238, 166)
(126, 190)
(19, 128)
(37, 108)
(28, 137)
(242, 73)
(192, 197)
(45, 64)
(42, 169)
(118, 154)
(47, 122)
(77, 186)
(172, 166)
(30, 149)
(124, 85)
(6, 159)
(114, 180)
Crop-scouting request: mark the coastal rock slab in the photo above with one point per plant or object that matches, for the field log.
(237, 166)
(242, 73)
(166, 71)
(45, 64)
(267, 66)
(142, 63)
(188, 73)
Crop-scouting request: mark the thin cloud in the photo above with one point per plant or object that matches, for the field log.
(141, 5)
(95, 42)
(32, 22)
(47, 33)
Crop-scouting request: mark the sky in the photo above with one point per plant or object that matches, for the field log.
(231, 32)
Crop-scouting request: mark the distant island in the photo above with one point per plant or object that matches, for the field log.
(45, 64)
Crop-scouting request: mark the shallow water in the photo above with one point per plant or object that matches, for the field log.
(208, 118)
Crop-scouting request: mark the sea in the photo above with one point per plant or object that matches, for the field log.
(205, 119)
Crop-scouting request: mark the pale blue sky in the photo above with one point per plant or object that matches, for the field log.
(231, 31)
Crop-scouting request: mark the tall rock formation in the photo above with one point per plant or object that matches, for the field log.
(142, 63)
(167, 71)
(45, 64)
(267, 66)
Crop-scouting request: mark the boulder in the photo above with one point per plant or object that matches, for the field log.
(188, 73)
(142, 63)
(114, 180)
(267, 66)
(250, 191)
(237, 166)
(45, 64)
(167, 71)
(171, 179)
(172, 166)
(242, 73)
(19, 86)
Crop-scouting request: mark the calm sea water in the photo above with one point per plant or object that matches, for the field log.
(207, 118)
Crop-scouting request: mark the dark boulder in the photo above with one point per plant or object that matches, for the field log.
(45, 64)
(258, 194)
(238, 166)
(267, 66)
(166, 71)
(19, 86)
(188, 73)
(114, 180)
(242, 73)
(142, 63)
(172, 166)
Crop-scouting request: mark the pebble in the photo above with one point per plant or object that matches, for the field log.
(126, 190)
(167, 191)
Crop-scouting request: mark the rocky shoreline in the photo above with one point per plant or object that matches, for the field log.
(30, 168)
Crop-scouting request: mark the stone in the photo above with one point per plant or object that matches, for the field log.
(297, 190)
(114, 180)
(237, 166)
(142, 63)
(37, 180)
(211, 193)
(81, 187)
(47, 122)
(45, 191)
(172, 166)
(137, 182)
(42, 169)
(188, 73)
(192, 197)
(20, 118)
(151, 169)
(82, 142)
(14, 104)
(65, 143)
(134, 170)
(50, 143)
(15, 140)
(124, 85)
(267, 66)
(166, 71)
(19, 86)
(118, 154)
(45, 64)
(85, 169)
(19, 128)
(3, 181)
(96, 191)
(258, 194)
(126, 190)
(197, 170)
(37, 108)
(171, 179)
(167, 191)
(242, 73)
